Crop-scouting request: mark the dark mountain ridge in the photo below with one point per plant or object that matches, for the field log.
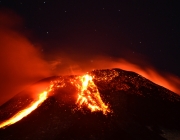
(140, 109)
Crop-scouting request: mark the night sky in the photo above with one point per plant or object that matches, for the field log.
(142, 32)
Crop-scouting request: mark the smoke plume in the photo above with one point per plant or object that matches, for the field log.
(74, 64)
(21, 63)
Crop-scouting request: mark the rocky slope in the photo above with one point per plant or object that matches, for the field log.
(140, 110)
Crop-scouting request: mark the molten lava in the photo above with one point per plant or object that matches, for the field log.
(88, 96)
(21, 114)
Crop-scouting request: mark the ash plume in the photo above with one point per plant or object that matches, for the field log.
(21, 63)
(75, 64)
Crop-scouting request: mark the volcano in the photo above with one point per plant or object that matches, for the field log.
(132, 108)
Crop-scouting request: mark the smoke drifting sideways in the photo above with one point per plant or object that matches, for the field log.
(78, 63)
(21, 63)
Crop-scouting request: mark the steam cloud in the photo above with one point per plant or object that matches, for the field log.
(20, 62)
(70, 65)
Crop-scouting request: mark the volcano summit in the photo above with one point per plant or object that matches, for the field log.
(103, 104)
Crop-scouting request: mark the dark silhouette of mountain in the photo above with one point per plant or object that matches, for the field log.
(141, 110)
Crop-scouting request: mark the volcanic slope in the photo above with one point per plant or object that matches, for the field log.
(139, 108)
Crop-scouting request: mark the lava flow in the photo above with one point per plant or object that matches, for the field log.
(21, 114)
(88, 96)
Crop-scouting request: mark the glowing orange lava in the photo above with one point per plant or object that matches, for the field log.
(89, 96)
(21, 114)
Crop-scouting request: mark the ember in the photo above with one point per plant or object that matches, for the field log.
(88, 96)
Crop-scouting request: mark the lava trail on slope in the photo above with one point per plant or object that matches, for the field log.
(135, 108)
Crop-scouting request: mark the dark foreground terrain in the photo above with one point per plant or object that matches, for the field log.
(141, 110)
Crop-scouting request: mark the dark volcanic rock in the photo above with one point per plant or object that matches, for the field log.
(141, 110)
